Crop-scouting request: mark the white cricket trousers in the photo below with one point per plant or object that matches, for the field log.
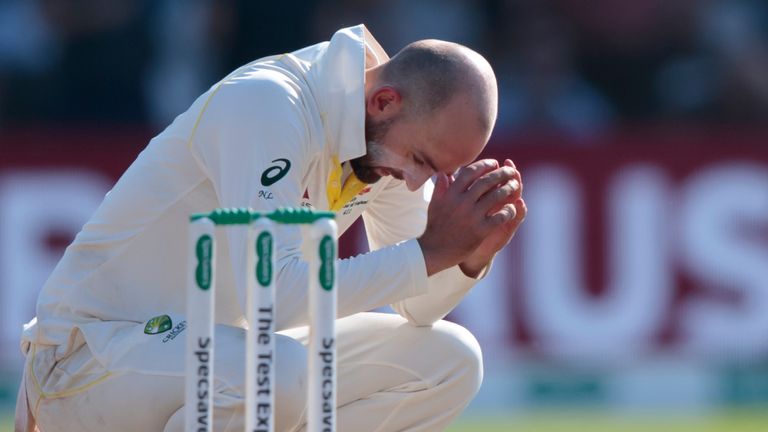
(392, 376)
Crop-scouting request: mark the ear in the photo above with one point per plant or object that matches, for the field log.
(384, 103)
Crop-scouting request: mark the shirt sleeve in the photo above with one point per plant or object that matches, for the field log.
(397, 214)
(252, 141)
(254, 145)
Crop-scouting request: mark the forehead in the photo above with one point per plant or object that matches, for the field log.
(455, 137)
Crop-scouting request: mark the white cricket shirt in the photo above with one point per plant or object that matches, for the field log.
(268, 135)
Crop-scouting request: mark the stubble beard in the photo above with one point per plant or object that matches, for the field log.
(364, 166)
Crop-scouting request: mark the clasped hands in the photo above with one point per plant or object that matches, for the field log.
(472, 216)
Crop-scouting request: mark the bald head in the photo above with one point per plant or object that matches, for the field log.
(430, 73)
(430, 109)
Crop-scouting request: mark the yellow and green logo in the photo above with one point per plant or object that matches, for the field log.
(203, 251)
(158, 324)
(327, 257)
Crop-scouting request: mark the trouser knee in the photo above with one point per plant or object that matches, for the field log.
(291, 376)
(461, 351)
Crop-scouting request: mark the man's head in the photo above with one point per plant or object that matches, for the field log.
(430, 109)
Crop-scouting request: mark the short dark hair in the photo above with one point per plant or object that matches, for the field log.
(426, 74)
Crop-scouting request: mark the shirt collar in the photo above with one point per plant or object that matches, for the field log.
(338, 78)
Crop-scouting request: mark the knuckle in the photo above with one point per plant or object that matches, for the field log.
(511, 187)
(495, 177)
(471, 168)
(467, 173)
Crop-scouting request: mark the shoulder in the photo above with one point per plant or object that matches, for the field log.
(262, 103)
(264, 92)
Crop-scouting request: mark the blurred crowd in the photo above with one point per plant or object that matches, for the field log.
(578, 67)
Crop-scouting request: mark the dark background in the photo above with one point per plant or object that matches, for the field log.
(577, 67)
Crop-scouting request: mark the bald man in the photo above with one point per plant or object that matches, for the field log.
(335, 126)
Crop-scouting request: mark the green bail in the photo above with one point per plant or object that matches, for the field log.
(302, 215)
(228, 216)
(244, 216)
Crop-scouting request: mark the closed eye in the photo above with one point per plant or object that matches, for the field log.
(424, 160)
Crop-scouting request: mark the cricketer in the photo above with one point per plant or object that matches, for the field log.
(335, 126)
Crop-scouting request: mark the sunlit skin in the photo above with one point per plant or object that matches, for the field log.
(415, 149)
(477, 206)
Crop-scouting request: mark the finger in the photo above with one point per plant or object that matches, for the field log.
(442, 182)
(495, 198)
(521, 210)
(491, 180)
(468, 174)
(518, 174)
(506, 214)
(519, 191)
(517, 177)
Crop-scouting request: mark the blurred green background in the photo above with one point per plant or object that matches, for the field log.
(559, 422)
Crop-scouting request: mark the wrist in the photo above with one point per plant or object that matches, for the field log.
(434, 260)
(474, 266)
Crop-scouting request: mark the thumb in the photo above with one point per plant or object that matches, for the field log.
(441, 185)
